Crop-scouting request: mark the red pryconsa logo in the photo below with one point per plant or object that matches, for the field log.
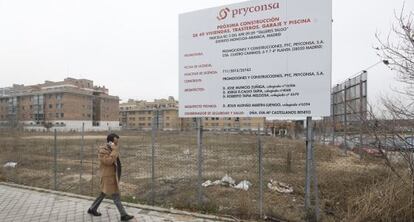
(223, 14)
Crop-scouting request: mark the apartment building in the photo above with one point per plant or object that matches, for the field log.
(141, 114)
(65, 105)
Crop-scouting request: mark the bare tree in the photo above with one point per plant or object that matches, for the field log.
(398, 49)
(393, 132)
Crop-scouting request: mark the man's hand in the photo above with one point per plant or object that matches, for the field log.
(115, 147)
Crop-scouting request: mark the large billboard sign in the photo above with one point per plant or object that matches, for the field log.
(349, 101)
(264, 58)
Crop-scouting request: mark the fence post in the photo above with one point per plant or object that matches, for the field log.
(55, 160)
(260, 152)
(200, 161)
(345, 121)
(289, 162)
(92, 170)
(315, 179)
(153, 137)
(361, 92)
(81, 158)
(308, 162)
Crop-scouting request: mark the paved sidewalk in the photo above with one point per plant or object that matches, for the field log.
(20, 205)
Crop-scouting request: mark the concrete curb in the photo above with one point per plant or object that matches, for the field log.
(140, 206)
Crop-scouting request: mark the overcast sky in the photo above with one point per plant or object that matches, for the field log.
(132, 46)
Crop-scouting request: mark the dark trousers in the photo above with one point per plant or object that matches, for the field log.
(115, 197)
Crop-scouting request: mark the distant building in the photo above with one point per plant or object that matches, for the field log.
(285, 128)
(141, 114)
(64, 106)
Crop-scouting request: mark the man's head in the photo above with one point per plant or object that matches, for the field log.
(112, 138)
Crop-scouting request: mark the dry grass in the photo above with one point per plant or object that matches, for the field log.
(388, 200)
(349, 187)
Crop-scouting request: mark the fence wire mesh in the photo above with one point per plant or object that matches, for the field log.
(230, 171)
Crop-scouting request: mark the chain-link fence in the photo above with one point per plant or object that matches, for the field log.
(244, 175)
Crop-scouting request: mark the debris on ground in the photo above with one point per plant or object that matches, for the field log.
(217, 182)
(228, 181)
(280, 187)
(10, 164)
(243, 185)
(207, 183)
(272, 219)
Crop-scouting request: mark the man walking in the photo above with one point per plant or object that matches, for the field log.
(110, 172)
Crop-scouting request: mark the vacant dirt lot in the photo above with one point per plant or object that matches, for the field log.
(341, 179)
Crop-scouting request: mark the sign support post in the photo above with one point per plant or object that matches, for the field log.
(200, 161)
(311, 173)
(260, 152)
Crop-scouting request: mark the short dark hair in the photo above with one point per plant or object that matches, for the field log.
(111, 137)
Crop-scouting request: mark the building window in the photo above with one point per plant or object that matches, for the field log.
(57, 115)
(50, 106)
(62, 115)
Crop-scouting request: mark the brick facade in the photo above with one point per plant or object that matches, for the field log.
(65, 105)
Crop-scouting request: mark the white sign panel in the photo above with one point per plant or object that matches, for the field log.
(264, 58)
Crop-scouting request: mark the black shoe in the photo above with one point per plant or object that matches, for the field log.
(126, 217)
(94, 213)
